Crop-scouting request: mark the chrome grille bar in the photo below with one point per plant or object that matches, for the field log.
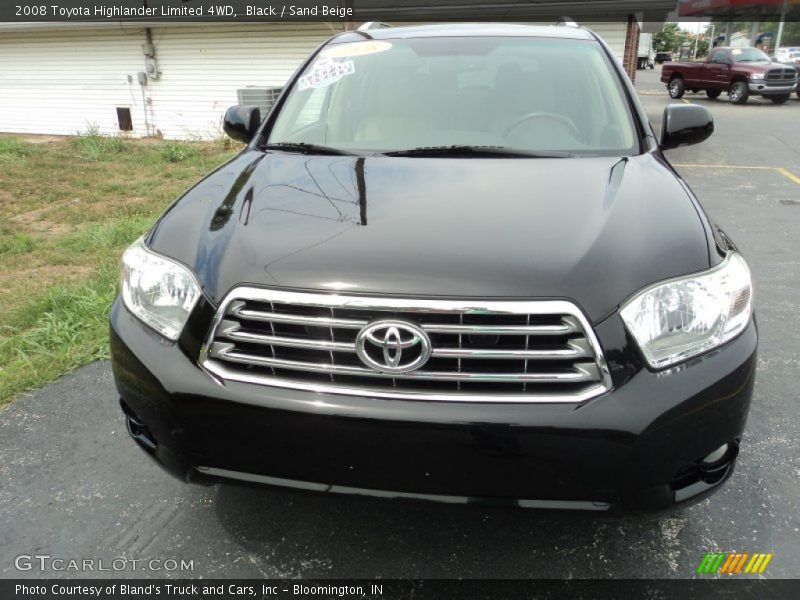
(274, 340)
(555, 354)
(577, 375)
(231, 331)
(272, 317)
(481, 351)
(501, 329)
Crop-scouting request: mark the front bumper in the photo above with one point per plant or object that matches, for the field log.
(764, 89)
(638, 446)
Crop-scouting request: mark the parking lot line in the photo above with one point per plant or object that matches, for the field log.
(785, 172)
(789, 175)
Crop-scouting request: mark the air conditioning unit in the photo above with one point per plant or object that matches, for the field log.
(263, 97)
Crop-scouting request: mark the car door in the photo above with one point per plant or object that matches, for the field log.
(717, 69)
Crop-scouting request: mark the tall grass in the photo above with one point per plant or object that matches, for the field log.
(16, 243)
(14, 150)
(176, 152)
(94, 147)
(82, 201)
(63, 329)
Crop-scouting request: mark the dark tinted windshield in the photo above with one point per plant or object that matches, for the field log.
(529, 94)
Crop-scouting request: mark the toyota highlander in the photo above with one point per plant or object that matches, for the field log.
(452, 263)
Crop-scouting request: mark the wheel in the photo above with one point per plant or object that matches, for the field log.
(713, 94)
(676, 88)
(739, 92)
(780, 99)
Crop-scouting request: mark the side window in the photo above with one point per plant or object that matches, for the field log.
(720, 57)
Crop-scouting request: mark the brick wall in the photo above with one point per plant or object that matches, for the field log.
(631, 47)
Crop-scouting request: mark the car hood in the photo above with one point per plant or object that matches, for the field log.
(760, 67)
(593, 230)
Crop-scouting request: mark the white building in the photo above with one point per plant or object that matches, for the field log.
(740, 40)
(59, 78)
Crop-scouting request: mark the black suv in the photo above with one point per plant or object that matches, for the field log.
(451, 263)
(662, 57)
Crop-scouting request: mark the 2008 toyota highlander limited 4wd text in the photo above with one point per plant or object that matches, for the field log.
(452, 263)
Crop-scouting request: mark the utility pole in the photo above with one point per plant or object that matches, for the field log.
(754, 33)
(780, 27)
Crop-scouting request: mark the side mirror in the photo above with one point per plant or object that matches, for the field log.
(685, 124)
(242, 122)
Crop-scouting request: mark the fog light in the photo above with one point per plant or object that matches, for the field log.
(716, 455)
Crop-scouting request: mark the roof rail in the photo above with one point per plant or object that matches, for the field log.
(567, 22)
(369, 25)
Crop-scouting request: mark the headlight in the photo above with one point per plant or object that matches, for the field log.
(756, 75)
(681, 318)
(159, 291)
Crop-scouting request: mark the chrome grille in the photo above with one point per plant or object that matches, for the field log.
(489, 351)
(781, 75)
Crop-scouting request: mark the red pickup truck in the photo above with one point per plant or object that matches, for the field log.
(741, 72)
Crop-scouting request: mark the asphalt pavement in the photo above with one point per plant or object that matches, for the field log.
(73, 486)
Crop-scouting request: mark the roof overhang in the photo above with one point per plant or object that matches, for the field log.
(735, 10)
(513, 10)
(413, 10)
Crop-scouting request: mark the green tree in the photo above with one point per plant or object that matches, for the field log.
(669, 38)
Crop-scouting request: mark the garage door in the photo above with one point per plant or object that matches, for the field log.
(65, 81)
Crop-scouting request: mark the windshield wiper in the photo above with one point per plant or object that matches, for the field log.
(476, 151)
(304, 148)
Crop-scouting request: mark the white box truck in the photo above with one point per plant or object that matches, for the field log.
(647, 56)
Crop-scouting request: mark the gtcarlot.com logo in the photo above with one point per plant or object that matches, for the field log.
(733, 562)
(46, 562)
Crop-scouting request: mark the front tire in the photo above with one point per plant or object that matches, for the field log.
(780, 99)
(676, 88)
(713, 94)
(739, 93)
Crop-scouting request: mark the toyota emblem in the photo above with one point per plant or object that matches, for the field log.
(393, 346)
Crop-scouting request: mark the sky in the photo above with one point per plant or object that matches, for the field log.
(693, 26)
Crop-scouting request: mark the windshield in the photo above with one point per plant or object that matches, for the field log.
(749, 55)
(521, 93)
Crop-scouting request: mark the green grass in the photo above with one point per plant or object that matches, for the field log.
(17, 243)
(58, 331)
(178, 152)
(94, 147)
(68, 209)
(12, 150)
(10, 146)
